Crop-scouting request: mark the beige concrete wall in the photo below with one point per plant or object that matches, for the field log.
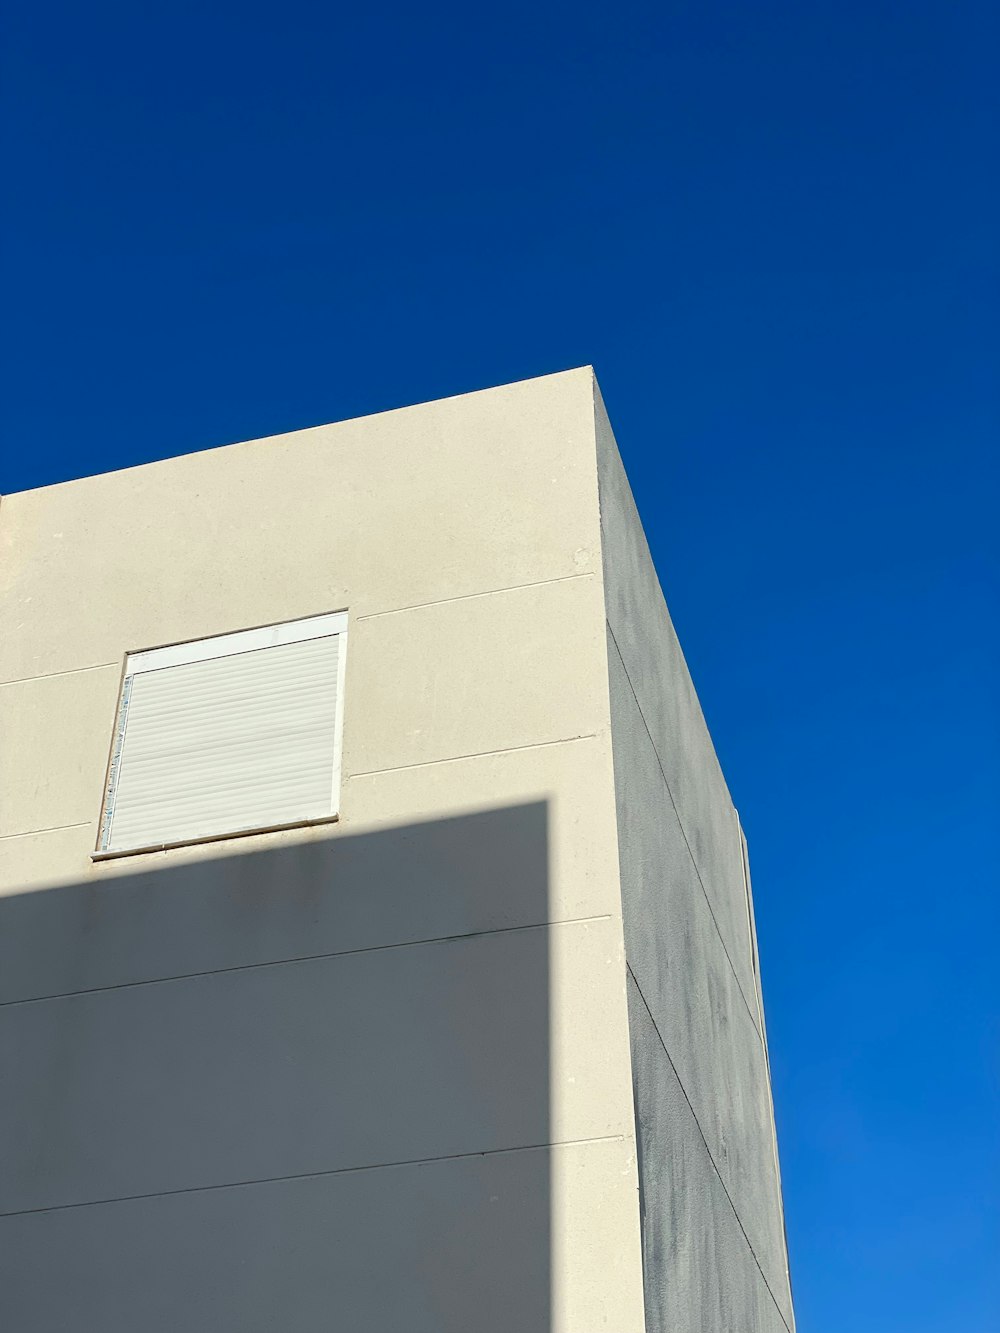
(370, 1076)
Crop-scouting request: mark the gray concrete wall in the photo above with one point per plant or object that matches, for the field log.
(371, 1076)
(712, 1232)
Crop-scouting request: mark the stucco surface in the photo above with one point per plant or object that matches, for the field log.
(333, 1251)
(387, 1055)
(446, 681)
(56, 731)
(231, 1056)
(322, 890)
(691, 957)
(382, 1071)
(641, 625)
(40, 860)
(694, 1001)
(483, 673)
(699, 1271)
(487, 490)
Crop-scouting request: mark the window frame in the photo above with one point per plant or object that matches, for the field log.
(188, 651)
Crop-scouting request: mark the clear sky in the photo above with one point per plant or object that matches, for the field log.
(773, 228)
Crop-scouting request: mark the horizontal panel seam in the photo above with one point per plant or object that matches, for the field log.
(70, 671)
(305, 958)
(469, 596)
(367, 773)
(318, 1175)
(476, 754)
(708, 1150)
(680, 825)
(371, 615)
(55, 828)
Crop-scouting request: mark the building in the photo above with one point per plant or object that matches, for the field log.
(467, 1034)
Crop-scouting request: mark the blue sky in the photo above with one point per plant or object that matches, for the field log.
(773, 230)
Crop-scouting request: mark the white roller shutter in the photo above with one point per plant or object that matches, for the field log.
(228, 734)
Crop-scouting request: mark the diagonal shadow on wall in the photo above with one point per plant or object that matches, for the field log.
(298, 1089)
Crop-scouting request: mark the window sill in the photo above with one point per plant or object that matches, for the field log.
(115, 854)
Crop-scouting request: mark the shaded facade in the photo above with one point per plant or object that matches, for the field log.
(485, 1052)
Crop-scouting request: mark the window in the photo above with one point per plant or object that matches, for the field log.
(227, 735)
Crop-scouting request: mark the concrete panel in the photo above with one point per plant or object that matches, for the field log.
(390, 1055)
(313, 1003)
(284, 896)
(445, 1247)
(596, 1251)
(700, 1274)
(484, 491)
(40, 860)
(339, 894)
(677, 957)
(56, 734)
(454, 679)
(655, 664)
(464, 677)
(571, 780)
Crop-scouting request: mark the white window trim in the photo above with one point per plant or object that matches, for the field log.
(242, 641)
(202, 650)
